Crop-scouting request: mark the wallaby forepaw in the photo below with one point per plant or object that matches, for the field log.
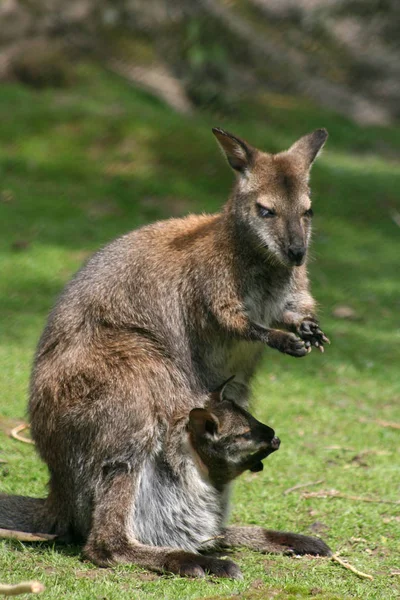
(310, 332)
(288, 343)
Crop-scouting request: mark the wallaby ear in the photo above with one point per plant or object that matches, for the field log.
(218, 394)
(309, 146)
(202, 422)
(240, 155)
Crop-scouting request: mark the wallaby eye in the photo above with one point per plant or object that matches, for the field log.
(309, 213)
(246, 436)
(211, 427)
(264, 212)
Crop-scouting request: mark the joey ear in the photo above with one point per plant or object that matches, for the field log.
(309, 146)
(202, 421)
(217, 395)
(239, 154)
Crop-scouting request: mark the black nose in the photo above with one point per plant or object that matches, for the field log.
(275, 443)
(267, 434)
(296, 254)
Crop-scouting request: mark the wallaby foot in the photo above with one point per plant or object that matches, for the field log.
(274, 542)
(111, 542)
(195, 565)
(163, 560)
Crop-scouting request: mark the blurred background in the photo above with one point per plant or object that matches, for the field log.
(343, 54)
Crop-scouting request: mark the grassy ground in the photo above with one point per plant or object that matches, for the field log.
(81, 166)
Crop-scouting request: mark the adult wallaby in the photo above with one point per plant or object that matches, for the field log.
(153, 321)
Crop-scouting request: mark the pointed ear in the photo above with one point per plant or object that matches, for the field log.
(240, 155)
(309, 146)
(202, 422)
(218, 394)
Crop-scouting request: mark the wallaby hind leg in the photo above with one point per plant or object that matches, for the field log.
(111, 540)
(274, 542)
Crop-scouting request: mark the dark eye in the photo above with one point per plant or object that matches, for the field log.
(264, 212)
(243, 436)
(309, 213)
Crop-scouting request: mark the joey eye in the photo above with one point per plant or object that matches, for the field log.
(211, 427)
(309, 213)
(264, 212)
(243, 436)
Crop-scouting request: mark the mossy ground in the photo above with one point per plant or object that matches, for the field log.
(81, 166)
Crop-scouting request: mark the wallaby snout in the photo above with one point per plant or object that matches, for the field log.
(262, 434)
(275, 443)
(297, 254)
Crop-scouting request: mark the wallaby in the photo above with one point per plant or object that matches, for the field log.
(152, 322)
(182, 498)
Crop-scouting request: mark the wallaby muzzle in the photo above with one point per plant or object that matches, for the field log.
(269, 443)
(297, 254)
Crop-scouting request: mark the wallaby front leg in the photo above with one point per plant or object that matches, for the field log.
(112, 537)
(233, 317)
(285, 342)
(274, 542)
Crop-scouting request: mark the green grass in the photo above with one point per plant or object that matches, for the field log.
(81, 166)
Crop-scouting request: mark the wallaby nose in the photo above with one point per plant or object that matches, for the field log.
(266, 435)
(296, 254)
(275, 443)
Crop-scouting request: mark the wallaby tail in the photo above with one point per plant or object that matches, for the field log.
(22, 513)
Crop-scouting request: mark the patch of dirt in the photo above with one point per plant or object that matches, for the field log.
(318, 527)
(257, 584)
(92, 574)
(148, 576)
(51, 571)
(344, 312)
(105, 208)
(171, 206)
(20, 245)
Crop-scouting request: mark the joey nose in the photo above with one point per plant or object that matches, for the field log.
(275, 443)
(266, 435)
(296, 254)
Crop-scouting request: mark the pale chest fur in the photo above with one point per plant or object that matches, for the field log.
(177, 510)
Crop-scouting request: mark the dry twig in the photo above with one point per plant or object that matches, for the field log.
(346, 565)
(382, 423)
(21, 438)
(337, 494)
(26, 587)
(343, 448)
(24, 536)
(302, 485)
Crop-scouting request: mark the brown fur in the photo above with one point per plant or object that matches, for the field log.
(150, 325)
